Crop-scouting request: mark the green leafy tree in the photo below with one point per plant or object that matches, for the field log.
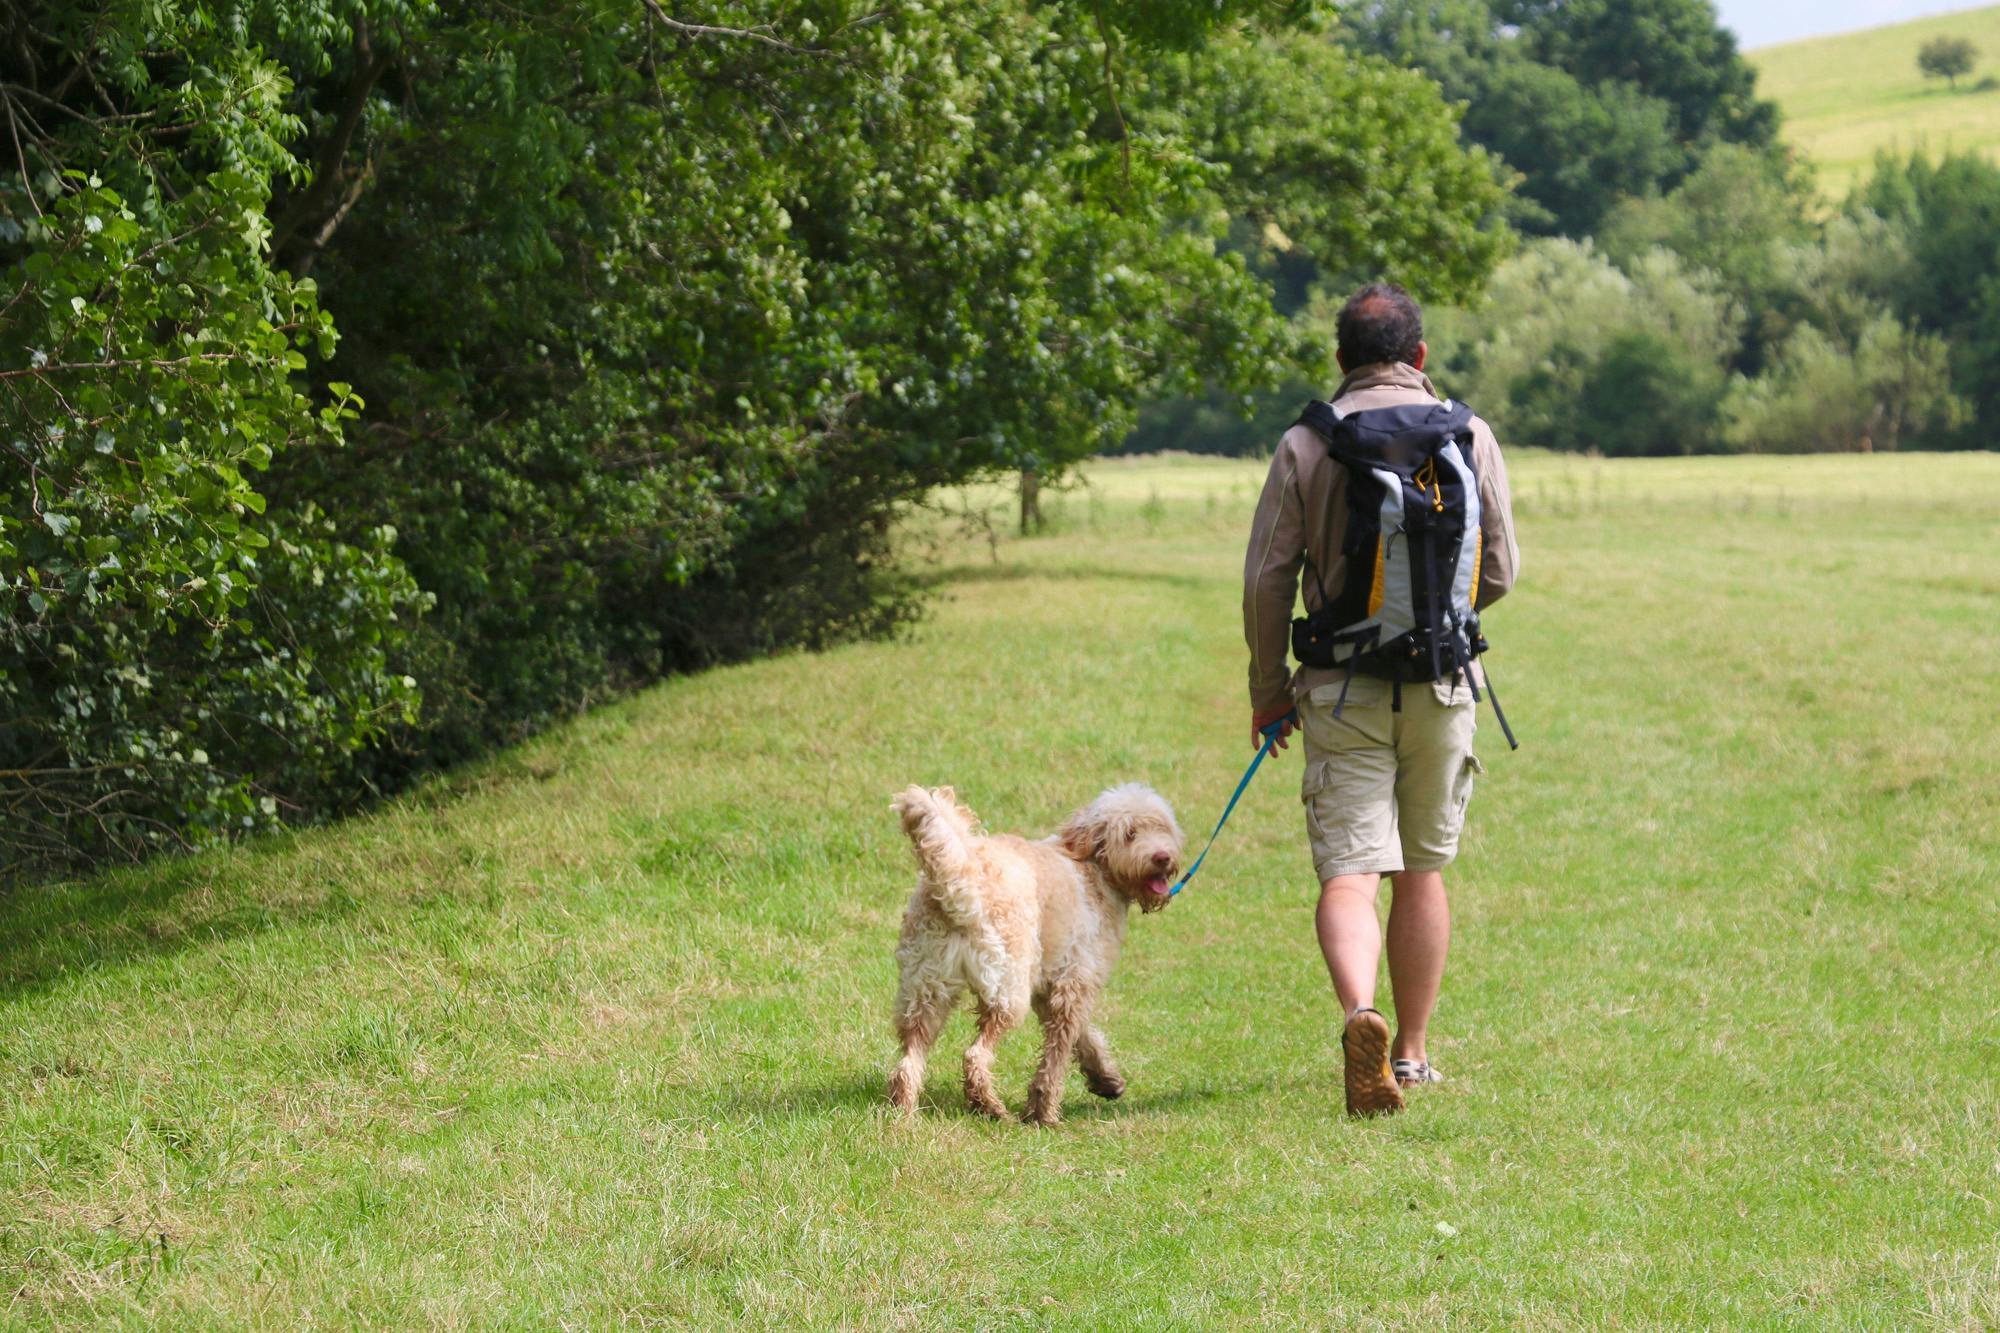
(1580, 150)
(1672, 50)
(1946, 58)
(1590, 100)
(1323, 153)
(1336, 160)
(1891, 385)
(1734, 218)
(1948, 211)
(1569, 351)
(178, 659)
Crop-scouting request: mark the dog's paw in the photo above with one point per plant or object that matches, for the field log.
(1107, 1085)
(1041, 1117)
(990, 1110)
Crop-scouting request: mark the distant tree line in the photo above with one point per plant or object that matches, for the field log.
(1583, 103)
(380, 379)
(1725, 316)
(1682, 290)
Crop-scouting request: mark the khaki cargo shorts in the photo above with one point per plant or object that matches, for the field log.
(1384, 790)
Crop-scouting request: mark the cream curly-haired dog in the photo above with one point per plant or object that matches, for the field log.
(1021, 923)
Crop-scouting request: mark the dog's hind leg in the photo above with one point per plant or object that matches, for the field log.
(918, 1024)
(995, 1022)
(1065, 1018)
(1100, 1075)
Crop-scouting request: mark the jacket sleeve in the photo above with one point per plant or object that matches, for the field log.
(1271, 582)
(1500, 554)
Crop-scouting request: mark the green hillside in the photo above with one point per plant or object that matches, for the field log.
(1847, 95)
(594, 1034)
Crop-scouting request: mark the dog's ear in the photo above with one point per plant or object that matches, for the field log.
(1082, 838)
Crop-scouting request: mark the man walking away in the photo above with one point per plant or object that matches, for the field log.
(1389, 764)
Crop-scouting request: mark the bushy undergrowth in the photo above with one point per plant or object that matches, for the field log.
(177, 661)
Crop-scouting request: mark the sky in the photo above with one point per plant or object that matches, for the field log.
(1761, 22)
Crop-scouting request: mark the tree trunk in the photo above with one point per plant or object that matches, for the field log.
(1031, 501)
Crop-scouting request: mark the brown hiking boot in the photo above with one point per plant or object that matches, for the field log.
(1371, 1087)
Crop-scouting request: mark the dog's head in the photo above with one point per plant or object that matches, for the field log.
(1130, 835)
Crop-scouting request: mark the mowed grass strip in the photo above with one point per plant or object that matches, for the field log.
(1850, 95)
(596, 1032)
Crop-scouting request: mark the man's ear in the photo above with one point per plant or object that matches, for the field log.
(1340, 359)
(1423, 349)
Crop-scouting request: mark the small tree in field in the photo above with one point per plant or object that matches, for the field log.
(1946, 58)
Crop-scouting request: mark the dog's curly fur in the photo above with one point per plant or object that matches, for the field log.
(1020, 924)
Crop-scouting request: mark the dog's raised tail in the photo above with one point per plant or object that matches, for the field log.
(941, 831)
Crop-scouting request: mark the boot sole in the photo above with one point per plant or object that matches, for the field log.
(1371, 1087)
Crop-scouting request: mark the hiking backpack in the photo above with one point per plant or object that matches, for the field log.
(1413, 546)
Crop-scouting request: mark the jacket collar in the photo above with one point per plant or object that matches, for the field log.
(1386, 374)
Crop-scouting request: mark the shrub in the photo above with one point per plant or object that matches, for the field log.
(1948, 212)
(176, 661)
(1891, 385)
(1547, 358)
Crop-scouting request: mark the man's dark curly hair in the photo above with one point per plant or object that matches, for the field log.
(1379, 323)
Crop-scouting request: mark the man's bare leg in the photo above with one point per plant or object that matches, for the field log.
(1419, 937)
(1351, 938)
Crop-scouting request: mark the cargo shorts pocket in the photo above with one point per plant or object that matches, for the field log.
(1350, 813)
(1462, 795)
(1311, 786)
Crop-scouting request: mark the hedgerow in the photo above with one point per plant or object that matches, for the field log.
(650, 322)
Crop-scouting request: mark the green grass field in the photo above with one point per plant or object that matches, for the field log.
(1851, 94)
(595, 1033)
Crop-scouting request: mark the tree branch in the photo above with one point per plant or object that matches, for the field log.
(26, 186)
(118, 364)
(1111, 91)
(326, 172)
(355, 190)
(761, 33)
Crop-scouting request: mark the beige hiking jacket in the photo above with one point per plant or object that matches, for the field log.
(1302, 519)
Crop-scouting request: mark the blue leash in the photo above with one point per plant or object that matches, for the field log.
(1271, 734)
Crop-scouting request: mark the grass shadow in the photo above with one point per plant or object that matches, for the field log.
(59, 929)
(1014, 572)
(852, 1091)
(867, 1091)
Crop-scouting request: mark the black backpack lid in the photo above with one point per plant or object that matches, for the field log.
(1399, 438)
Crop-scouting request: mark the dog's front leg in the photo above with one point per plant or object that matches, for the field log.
(1065, 1018)
(1100, 1075)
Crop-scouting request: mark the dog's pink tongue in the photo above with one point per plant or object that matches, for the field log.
(1157, 886)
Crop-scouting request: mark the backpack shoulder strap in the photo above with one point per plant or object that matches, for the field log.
(1457, 418)
(1323, 418)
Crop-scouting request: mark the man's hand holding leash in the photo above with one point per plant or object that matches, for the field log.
(1260, 726)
